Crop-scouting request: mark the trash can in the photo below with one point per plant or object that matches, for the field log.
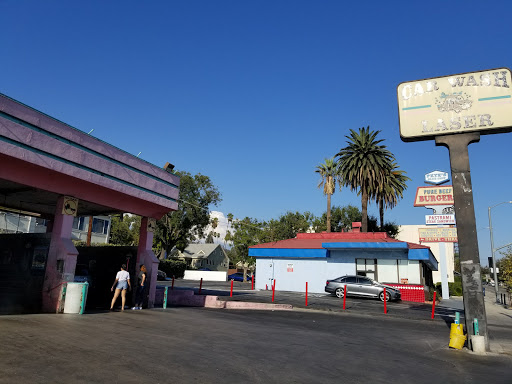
(76, 297)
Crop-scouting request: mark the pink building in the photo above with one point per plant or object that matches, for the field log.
(56, 172)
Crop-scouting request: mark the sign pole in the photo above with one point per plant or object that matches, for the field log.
(445, 290)
(474, 306)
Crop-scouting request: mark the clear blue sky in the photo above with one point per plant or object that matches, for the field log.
(255, 94)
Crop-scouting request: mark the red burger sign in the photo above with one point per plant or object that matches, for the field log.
(438, 195)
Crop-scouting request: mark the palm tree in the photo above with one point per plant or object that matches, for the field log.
(391, 191)
(363, 164)
(329, 171)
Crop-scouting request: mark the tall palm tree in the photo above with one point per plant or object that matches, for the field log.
(391, 191)
(329, 171)
(363, 164)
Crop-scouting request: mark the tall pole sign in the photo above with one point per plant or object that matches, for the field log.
(454, 111)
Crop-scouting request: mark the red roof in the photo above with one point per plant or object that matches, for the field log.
(315, 240)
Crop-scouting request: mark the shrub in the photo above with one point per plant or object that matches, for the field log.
(454, 288)
(174, 268)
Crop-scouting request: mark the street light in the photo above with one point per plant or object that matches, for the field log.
(496, 285)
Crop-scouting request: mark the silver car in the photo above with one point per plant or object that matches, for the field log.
(361, 286)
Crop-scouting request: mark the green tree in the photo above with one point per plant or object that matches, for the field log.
(125, 229)
(505, 268)
(391, 190)
(341, 219)
(189, 222)
(363, 164)
(247, 232)
(287, 226)
(329, 173)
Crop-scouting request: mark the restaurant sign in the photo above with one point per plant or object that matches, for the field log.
(436, 177)
(438, 235)
(477, 101)
(439, 219)
(435, 195)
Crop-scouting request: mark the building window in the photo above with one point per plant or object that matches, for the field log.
(367, 267)
(100, 226)
(78, 223)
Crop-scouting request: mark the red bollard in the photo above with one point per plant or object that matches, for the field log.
(306, 293)
(433, 305)
(172, 286)
(231, 292)
(385, 301)
(344, 297)
(273, 289)
(252, 283)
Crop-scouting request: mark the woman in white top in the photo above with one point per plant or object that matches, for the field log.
(121, 284)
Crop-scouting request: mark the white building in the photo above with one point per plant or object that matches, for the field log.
(100, 231)
(317, 257)
(410, 233)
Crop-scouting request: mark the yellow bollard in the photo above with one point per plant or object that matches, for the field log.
(457, 341)
(456, 329)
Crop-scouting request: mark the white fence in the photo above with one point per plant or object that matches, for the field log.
(206, 275)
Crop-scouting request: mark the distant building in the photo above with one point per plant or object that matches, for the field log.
(11, 222)
(100, 231)
(197, 256)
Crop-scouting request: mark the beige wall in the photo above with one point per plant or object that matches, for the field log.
(410, 234)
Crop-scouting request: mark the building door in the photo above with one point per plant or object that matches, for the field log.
(266, 274)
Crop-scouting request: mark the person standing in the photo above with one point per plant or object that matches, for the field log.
(141, 285)
(121, 284)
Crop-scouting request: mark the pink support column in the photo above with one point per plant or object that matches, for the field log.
(146, 256)
(61, 262)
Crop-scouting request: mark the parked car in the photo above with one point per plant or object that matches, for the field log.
(361, 286)
(161, 275)
(237, 276)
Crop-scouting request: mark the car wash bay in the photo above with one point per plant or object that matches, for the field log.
(55, 172)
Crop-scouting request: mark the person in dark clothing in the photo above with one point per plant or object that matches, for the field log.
(141, 285)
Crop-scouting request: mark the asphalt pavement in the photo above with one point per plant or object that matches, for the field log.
(499, 317)
(201, 345)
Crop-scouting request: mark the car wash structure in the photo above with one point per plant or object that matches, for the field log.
(55, 172)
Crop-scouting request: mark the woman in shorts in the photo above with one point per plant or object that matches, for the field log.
(121, 284)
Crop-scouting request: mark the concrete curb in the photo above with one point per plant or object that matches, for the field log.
(187, 298)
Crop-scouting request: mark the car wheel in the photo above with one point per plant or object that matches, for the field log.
(340, 292)
(381, 296)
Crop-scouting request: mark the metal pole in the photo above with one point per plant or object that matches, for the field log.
(493, 259)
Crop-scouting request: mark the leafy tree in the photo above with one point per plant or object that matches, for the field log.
(330, 176)
(391, 190)
(287, 226)
(341, 219)
(125, 230)
(505, 267)
(247, 232)
(363, 164)
(189, 222)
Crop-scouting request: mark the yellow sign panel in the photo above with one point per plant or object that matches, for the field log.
(478, 101)
(438, 235)
(435, 195)
(70, 206)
